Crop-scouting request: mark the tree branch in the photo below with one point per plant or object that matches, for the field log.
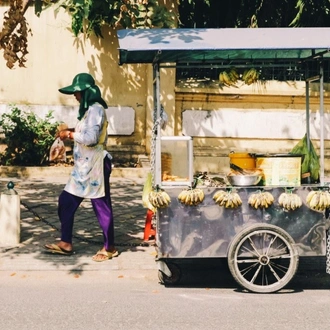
(7, 31)
(13, 36)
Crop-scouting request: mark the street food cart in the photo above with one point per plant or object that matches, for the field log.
(252, 224)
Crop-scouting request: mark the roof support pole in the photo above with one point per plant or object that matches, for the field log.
(307, 116)
(308, 81)
(321, 124)
(308, 122)
(156, 123)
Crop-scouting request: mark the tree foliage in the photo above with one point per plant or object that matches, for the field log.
(89, 16)
(254, 13)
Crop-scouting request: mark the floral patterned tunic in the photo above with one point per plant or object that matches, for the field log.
(90, 139)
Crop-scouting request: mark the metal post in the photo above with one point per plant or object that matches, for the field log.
(321, 125)
(307, 116)
(308, 124)
(308, 81)
(156, 82)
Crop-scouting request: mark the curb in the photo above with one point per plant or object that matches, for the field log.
(140, 259)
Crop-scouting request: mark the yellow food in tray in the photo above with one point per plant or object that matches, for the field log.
(168, 177)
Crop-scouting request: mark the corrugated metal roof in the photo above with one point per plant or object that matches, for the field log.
(210, 45)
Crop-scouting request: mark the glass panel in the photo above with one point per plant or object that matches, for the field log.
(176, 160)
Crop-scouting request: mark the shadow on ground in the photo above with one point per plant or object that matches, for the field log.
(214, 273)
(40, 224)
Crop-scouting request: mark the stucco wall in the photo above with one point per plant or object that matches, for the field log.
(274, 129)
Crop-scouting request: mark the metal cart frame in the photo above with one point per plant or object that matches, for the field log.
(262, 245)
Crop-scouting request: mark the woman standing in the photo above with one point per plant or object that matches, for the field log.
(92, 168)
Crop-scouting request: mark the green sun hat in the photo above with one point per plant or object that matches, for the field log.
(80, 82)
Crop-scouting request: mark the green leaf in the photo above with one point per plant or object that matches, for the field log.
(28, 137)
(37, 7)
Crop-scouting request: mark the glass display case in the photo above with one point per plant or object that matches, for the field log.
(176, 160)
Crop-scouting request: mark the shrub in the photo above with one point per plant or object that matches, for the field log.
(27, 137)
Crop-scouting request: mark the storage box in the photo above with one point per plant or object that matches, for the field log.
(280, 171)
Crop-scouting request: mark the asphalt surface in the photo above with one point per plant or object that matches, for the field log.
(40, 225)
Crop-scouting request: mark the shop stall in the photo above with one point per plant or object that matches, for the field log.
(261, 217)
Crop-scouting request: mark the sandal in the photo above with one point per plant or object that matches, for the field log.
(54, 248)
(105, 255)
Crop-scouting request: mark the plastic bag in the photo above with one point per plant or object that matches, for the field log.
(163, 118)
(310, 163)
(301, 149)
(57, 151)
(314, 164)
(147, 188)
(62, 126)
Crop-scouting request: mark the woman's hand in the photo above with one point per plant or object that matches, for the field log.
(65, 134)
(61, 127)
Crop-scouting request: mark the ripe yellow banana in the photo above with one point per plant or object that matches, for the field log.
(318, 200)
(228, 199)
(261, 199)
(315, 201)
(310, 196)
(327, 195)
(289, 201)
(191, 196)
(250, 76)
(159, 198)
(218, 195)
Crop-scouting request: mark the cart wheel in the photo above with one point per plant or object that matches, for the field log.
(174, 278)
(262, 258)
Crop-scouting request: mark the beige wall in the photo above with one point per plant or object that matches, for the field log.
(211, 153)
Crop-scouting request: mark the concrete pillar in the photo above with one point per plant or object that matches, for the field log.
(10, 217)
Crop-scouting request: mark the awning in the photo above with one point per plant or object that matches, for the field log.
(216, 45)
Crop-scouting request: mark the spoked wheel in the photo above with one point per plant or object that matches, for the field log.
(174, 278)
(262, 258)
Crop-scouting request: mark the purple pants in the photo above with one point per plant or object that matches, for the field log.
(68, 205)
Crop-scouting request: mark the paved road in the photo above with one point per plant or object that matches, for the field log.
(134, 300)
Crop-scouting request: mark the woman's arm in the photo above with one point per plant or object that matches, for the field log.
(91, 126)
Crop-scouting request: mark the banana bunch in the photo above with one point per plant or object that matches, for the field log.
(159, 198)
(261, 199)
(289, 201)
(250, 76)
(318, 200)
(229, 77)
(234, 76)
(191, 196)
(228, 199)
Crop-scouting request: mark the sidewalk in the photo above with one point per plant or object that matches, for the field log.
(40, 225)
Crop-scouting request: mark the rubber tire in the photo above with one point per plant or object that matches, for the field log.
(244, 279)
(174, 278)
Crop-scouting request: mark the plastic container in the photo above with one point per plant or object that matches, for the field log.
(243, 160)
(280, 170)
